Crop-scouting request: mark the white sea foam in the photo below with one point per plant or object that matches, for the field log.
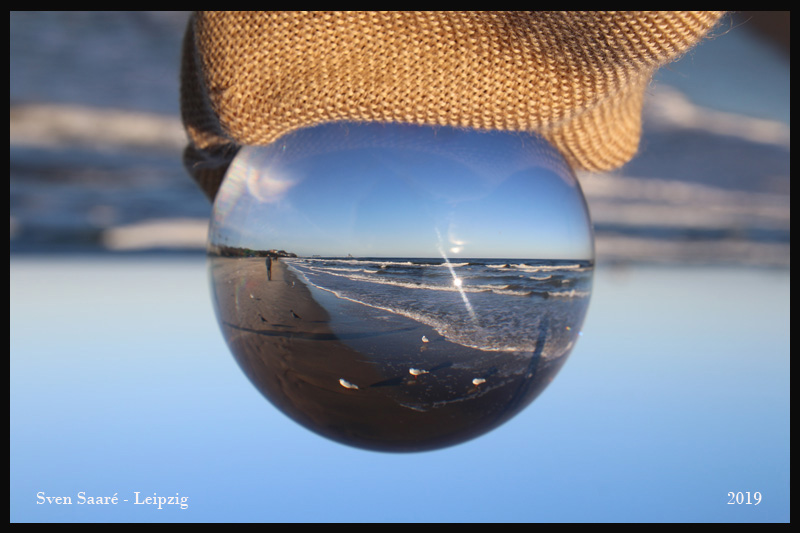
(536, 268)
(572, 293)
(508, 314)
(445, 329)
(354, 275)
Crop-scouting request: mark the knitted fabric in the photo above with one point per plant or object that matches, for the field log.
(576, 78)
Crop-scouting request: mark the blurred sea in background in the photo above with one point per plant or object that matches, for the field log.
(96, 142)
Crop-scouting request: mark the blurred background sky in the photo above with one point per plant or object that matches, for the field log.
(676, 395)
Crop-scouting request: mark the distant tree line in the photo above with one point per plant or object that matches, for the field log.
(235, 251)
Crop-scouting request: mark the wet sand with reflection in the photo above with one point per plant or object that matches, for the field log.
(283, 340)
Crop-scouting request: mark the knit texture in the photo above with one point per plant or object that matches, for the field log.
(576, 78)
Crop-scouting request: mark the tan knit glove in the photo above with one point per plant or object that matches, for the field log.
(577, 78)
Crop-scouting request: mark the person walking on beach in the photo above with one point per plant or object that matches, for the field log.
(269, 268)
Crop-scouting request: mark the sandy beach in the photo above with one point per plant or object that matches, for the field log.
(355, 384)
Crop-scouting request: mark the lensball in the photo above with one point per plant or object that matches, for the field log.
(398, 287)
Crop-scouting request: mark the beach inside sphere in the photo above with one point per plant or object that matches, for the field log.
(397, 287)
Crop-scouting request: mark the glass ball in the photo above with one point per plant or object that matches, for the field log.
(398, 287)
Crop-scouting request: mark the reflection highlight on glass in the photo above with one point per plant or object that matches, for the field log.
(400, 288)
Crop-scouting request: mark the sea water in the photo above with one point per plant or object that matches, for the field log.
(489, 304)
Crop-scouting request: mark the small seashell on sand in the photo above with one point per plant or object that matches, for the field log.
(346, 384)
